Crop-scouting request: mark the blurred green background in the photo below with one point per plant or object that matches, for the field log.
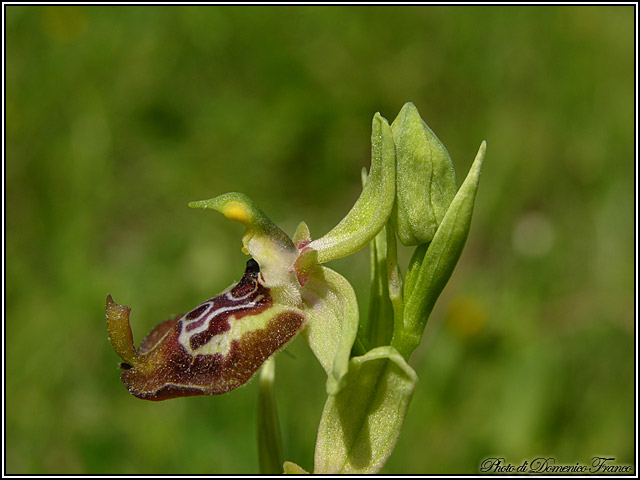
(117, 116)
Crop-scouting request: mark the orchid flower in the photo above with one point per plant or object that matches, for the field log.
(409, 192)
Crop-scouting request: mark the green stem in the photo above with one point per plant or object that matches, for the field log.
(394, 278)
(269, 441)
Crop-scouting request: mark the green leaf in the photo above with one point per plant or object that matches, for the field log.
(332, 322)
(291, 468)
(424, 284)
(425, 178)
(269, 442)
(372, 209)
(360, 425)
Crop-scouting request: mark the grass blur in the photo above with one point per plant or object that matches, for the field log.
(118, 116)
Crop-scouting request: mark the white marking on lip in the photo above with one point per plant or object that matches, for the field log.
(186, 336)
(235, 299)
(221, 344)
(191, 320)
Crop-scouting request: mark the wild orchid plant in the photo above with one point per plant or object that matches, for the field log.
(409, 193)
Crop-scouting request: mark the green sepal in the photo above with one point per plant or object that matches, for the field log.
(269, 439)
(291, 468)
(372, 209)
(332, 322)
(360, 425)
(424, 284)
(425, 178)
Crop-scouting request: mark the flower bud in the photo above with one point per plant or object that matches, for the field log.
(425, 178)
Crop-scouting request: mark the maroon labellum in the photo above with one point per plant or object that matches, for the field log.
(214, 348)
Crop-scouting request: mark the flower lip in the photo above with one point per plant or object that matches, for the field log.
(214, 348)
